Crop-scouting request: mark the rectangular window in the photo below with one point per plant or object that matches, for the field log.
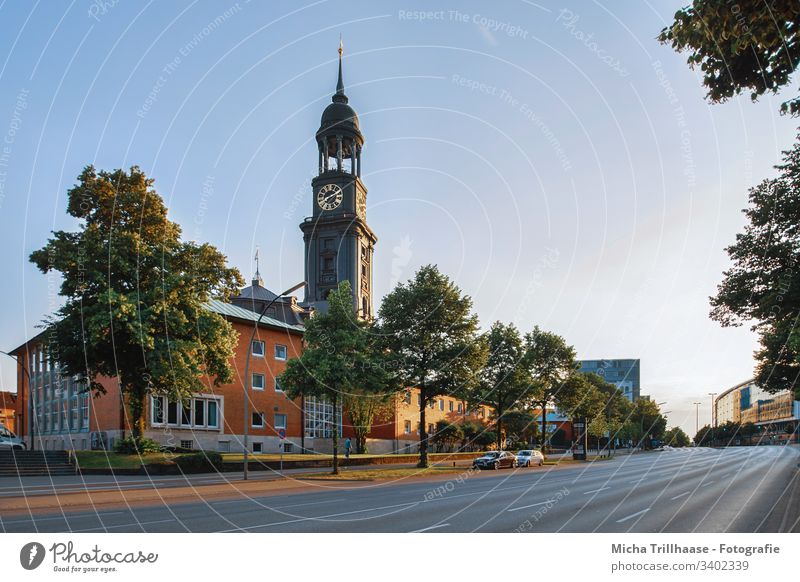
(407, 427)
(320, 418)
(257, 447)
(187, 445)
(212, 414)
(186, 414)
(419, 399)
(158, 410)
(280, 352)
(431, 403)
(76, 425)
(441, 404)
(172, 413)
(280, 421)
(258, 348)
(430, 429)
(85, 409)
(408, 397)
(199, 412)
(258, 420)
(278, 387)
(451, 406)
(257, 381)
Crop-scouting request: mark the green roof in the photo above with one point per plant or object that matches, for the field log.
(236, 312)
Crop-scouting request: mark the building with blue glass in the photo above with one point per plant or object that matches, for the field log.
(623, 373)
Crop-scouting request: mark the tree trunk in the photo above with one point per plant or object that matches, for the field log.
(544, 425)
(335, 435)
(136, 401)
(361, 442)
(423, 432)
(500, 430)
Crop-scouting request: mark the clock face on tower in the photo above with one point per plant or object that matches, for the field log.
(329, 197)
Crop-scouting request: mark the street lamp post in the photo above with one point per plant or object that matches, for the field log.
(696, 417)
(247, 367)
(713, 418)
(30, 395)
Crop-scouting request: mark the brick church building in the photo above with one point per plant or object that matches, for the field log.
(53, 414)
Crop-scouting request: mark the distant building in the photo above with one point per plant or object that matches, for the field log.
(623, 373)
(777, 415)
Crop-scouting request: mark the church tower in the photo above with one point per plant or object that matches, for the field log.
(339, 245)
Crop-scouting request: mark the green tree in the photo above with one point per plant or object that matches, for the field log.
(763, 285)
(504, 382)
(675, 437)
(617, 407)
(521, 426)
(550, 363)
(703, 437)
(429, 328)
(363, 406)
(135, 295)
(749, 45)
(448, 434)
(651, 423)
(340, 360)
(470, 429)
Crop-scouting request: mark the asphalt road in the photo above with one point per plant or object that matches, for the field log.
(748, 489)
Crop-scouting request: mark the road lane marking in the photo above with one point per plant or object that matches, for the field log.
(430, 528)
(597, 490)
(632, 515)
(532, 505)
(67, 518)
(324, 517)
(681, 495)
(122, 525)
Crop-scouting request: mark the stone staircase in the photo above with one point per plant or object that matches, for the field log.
(41, 463)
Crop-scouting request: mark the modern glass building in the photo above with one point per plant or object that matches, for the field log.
(623, 373)
(776, 415)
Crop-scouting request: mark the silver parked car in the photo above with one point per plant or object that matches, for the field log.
(530, 457)
(8, 440)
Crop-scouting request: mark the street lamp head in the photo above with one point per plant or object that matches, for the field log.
(293, 288)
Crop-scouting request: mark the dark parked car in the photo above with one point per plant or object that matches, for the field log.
(495, 460)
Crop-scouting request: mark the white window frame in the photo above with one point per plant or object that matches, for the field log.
(263, 348)
(260, 414)
(253, 377)
(441, 404)
(278, 386)
(285, 352)
(407, 427)
(165, 403)
(285, 421)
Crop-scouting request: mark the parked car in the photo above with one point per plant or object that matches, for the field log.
(530, 457)
(8, 440)
(495, 460)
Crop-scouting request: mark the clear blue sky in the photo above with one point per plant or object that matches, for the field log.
(557, 162)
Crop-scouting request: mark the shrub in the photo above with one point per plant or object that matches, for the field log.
(199, 462)
(132, 446)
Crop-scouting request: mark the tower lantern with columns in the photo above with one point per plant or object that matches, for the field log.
(339, 244)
